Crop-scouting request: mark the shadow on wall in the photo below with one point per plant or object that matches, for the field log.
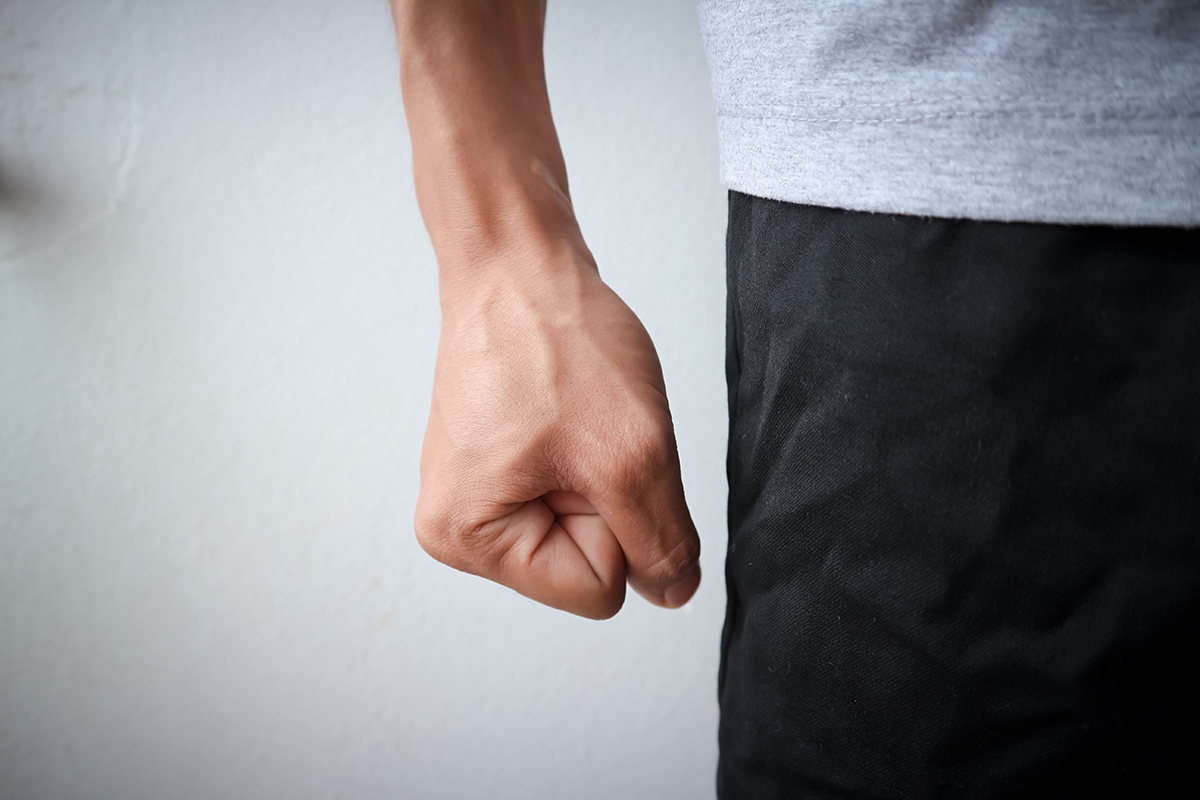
(19, 204)
(16, 196)
(37, 217)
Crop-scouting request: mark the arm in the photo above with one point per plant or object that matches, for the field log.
(549, 462)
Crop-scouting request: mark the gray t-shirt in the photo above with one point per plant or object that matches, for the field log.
(1078, 111)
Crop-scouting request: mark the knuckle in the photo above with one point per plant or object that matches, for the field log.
(674, 563)
(454, 532)
(438, 533)
(431, 534)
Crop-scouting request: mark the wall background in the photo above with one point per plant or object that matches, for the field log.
(217, 329)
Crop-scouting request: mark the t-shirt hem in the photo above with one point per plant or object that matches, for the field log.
(1123, 170)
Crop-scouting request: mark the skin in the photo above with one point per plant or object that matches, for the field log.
(549, 463)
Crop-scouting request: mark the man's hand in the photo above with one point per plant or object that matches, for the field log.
(549, 463)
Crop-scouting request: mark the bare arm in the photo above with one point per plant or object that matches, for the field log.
(549, 463)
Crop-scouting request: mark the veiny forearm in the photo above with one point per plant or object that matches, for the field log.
(487, 164)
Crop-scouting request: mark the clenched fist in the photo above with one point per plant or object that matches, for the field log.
(549, 463)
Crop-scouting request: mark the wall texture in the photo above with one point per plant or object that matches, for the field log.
(217, 327)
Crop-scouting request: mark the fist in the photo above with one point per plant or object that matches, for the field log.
(549, 463)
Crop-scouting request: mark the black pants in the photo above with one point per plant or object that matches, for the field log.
(964, 465)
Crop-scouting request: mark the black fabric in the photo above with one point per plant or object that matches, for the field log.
(964, 466)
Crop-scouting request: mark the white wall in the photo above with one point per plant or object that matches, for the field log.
(217, 329)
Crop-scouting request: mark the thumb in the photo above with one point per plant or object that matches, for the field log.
(650, 519)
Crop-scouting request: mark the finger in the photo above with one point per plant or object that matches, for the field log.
(570, 561)
(563, 503)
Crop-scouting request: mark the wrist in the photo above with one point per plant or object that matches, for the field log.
(535, 272)
(514, 232)
(489, 202)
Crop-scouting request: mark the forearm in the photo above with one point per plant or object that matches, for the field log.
(549, 462)
(487, 165)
